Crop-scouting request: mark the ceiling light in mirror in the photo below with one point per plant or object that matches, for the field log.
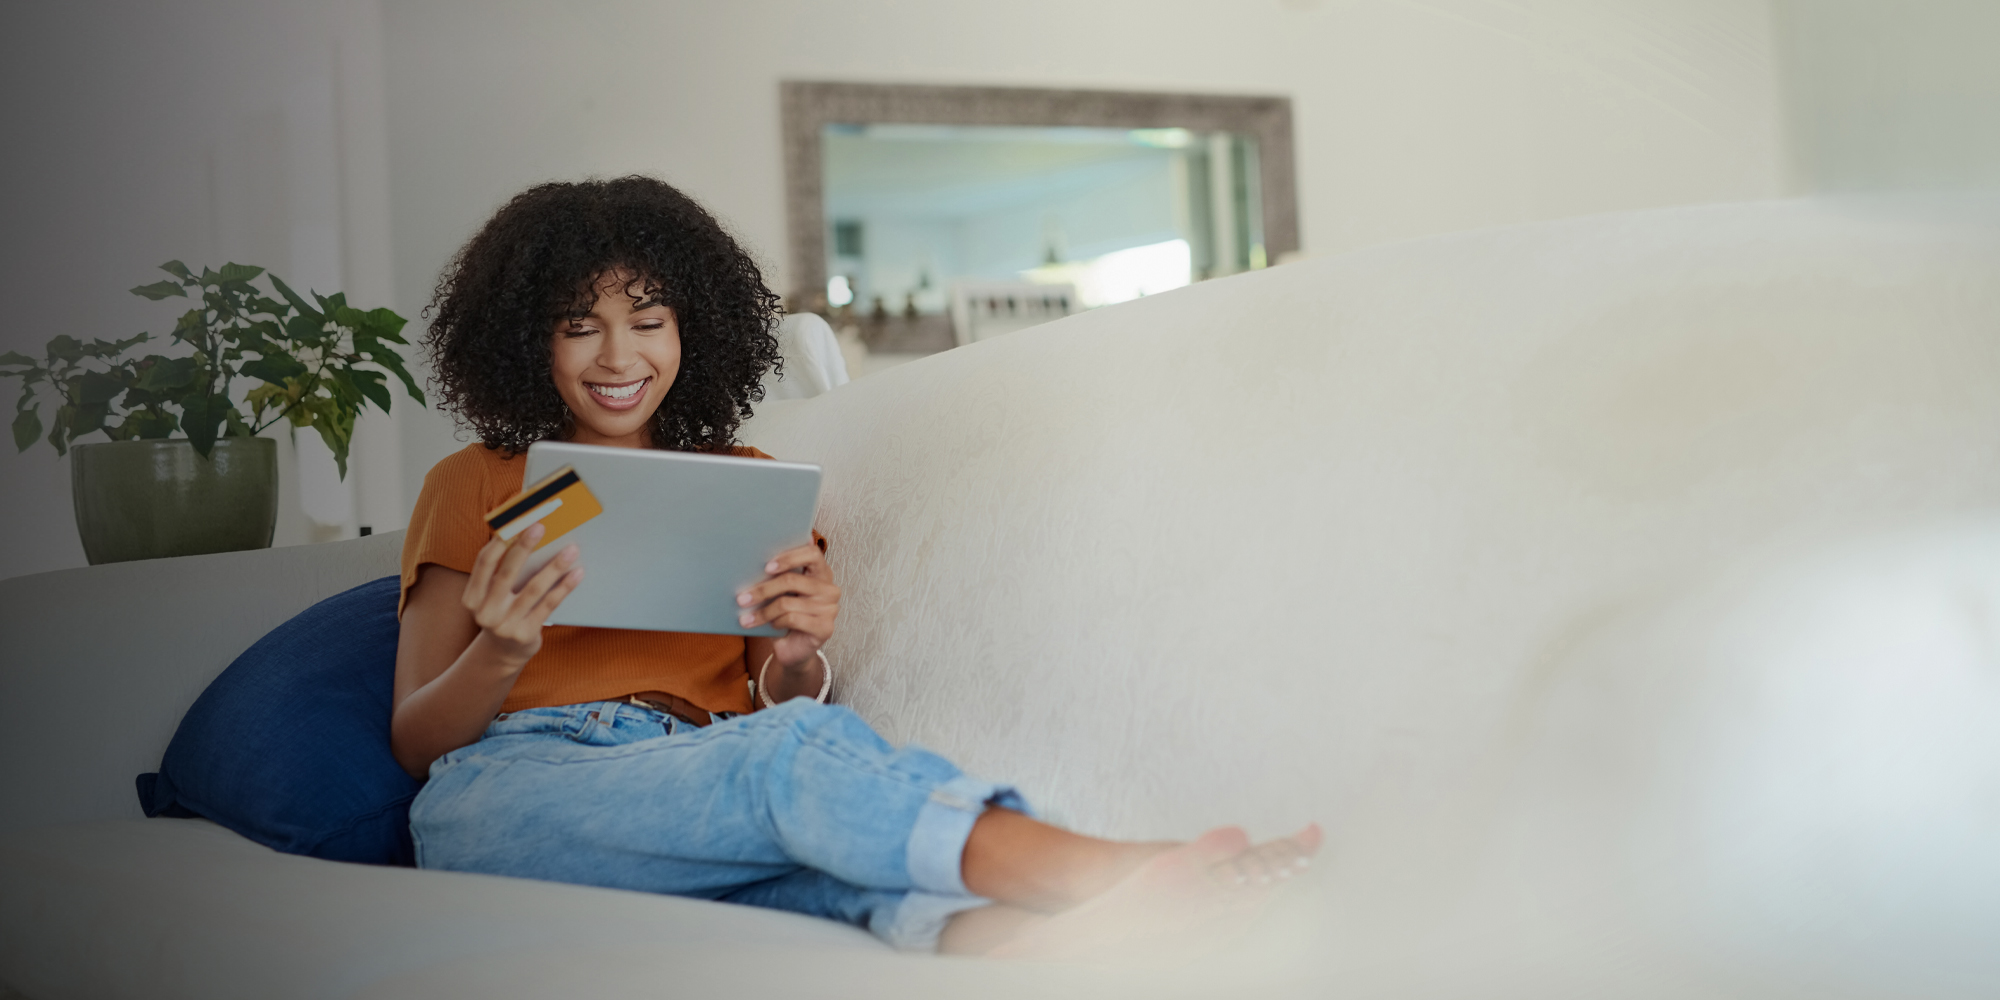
(838, 293)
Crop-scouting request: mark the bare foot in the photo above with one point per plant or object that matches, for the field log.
(1180, 902)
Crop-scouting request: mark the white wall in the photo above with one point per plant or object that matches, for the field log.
(1412, 117)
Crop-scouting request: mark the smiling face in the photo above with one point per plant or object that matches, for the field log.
(614, 365)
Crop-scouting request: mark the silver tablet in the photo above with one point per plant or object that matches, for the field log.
(679, 535)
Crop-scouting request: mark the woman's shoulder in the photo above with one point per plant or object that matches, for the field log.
(745, 451)
(477, 470)
(474, 462)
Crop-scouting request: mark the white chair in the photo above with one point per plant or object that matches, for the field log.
(813, 362)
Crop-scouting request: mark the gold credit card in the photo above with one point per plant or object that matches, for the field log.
(560, 502)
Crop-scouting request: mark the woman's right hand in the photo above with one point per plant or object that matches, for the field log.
(510, 621)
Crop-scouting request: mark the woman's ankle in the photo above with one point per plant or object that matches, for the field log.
(1013, 859)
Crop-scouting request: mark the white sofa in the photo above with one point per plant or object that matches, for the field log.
(1621, 594)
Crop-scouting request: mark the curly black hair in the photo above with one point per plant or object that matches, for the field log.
(537, 261)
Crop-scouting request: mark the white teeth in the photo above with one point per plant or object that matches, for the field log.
(622, 392)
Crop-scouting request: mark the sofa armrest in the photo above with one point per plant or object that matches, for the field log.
(98, 664)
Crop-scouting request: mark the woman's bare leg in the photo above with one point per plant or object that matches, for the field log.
(1040, 876)
(1027, 863)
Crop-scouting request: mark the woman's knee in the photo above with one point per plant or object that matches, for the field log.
(809, 721)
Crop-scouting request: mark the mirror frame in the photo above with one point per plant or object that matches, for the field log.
(807, 107)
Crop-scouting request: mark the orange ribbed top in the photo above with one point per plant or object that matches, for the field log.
(576, 663)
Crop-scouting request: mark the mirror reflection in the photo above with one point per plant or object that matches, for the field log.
(939, 235)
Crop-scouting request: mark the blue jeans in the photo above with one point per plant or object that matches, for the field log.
(801, 807)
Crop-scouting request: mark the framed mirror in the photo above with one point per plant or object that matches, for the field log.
(925, 217)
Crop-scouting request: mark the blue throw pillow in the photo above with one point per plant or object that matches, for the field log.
(290, 745)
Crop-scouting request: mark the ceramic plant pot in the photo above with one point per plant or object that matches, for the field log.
(152, 499)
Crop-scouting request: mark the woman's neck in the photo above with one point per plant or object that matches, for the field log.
(641, 438)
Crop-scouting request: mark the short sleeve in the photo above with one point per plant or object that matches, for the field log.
(446, 528)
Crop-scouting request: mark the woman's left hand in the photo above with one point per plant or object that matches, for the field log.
(797, 595)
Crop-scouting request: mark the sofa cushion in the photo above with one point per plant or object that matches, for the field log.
(159, 909)
(290, 745)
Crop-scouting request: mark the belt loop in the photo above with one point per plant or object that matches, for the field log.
(607, 713)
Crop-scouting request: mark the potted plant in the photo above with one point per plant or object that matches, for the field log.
(146, 493)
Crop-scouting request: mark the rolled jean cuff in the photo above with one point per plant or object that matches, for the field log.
(937, 840)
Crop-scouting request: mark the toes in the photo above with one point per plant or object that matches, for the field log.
(1248, 868)
(1309, 839)
(1229, 874)
(1266, 864)
(1277, 860)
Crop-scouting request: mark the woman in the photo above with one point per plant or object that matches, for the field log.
(619, 313)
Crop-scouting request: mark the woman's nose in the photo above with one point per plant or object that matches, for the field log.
(617, 352)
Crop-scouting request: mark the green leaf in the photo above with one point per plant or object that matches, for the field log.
(258, 333)
(87, 417)
(178, 270)
(343, 390)
(121, 431)
(265, 397)
(350, 317)
(383, 324)
(160, 290)
(372, 385)
(338, 433)
(94, 389)
(237, 274)
(391, 360)
(27, 427)
(200, 416)
(297, 302)
(17, 358)
(233, 425)
(56, 433)
(64, 347)
(105, 349)
(152, 425)
(264, 305)
(255, 341)
(309, 329)
(302, 415)
(273, 368)
(192, 328)
(167, 374)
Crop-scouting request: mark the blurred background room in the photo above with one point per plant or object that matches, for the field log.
(353, 144)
